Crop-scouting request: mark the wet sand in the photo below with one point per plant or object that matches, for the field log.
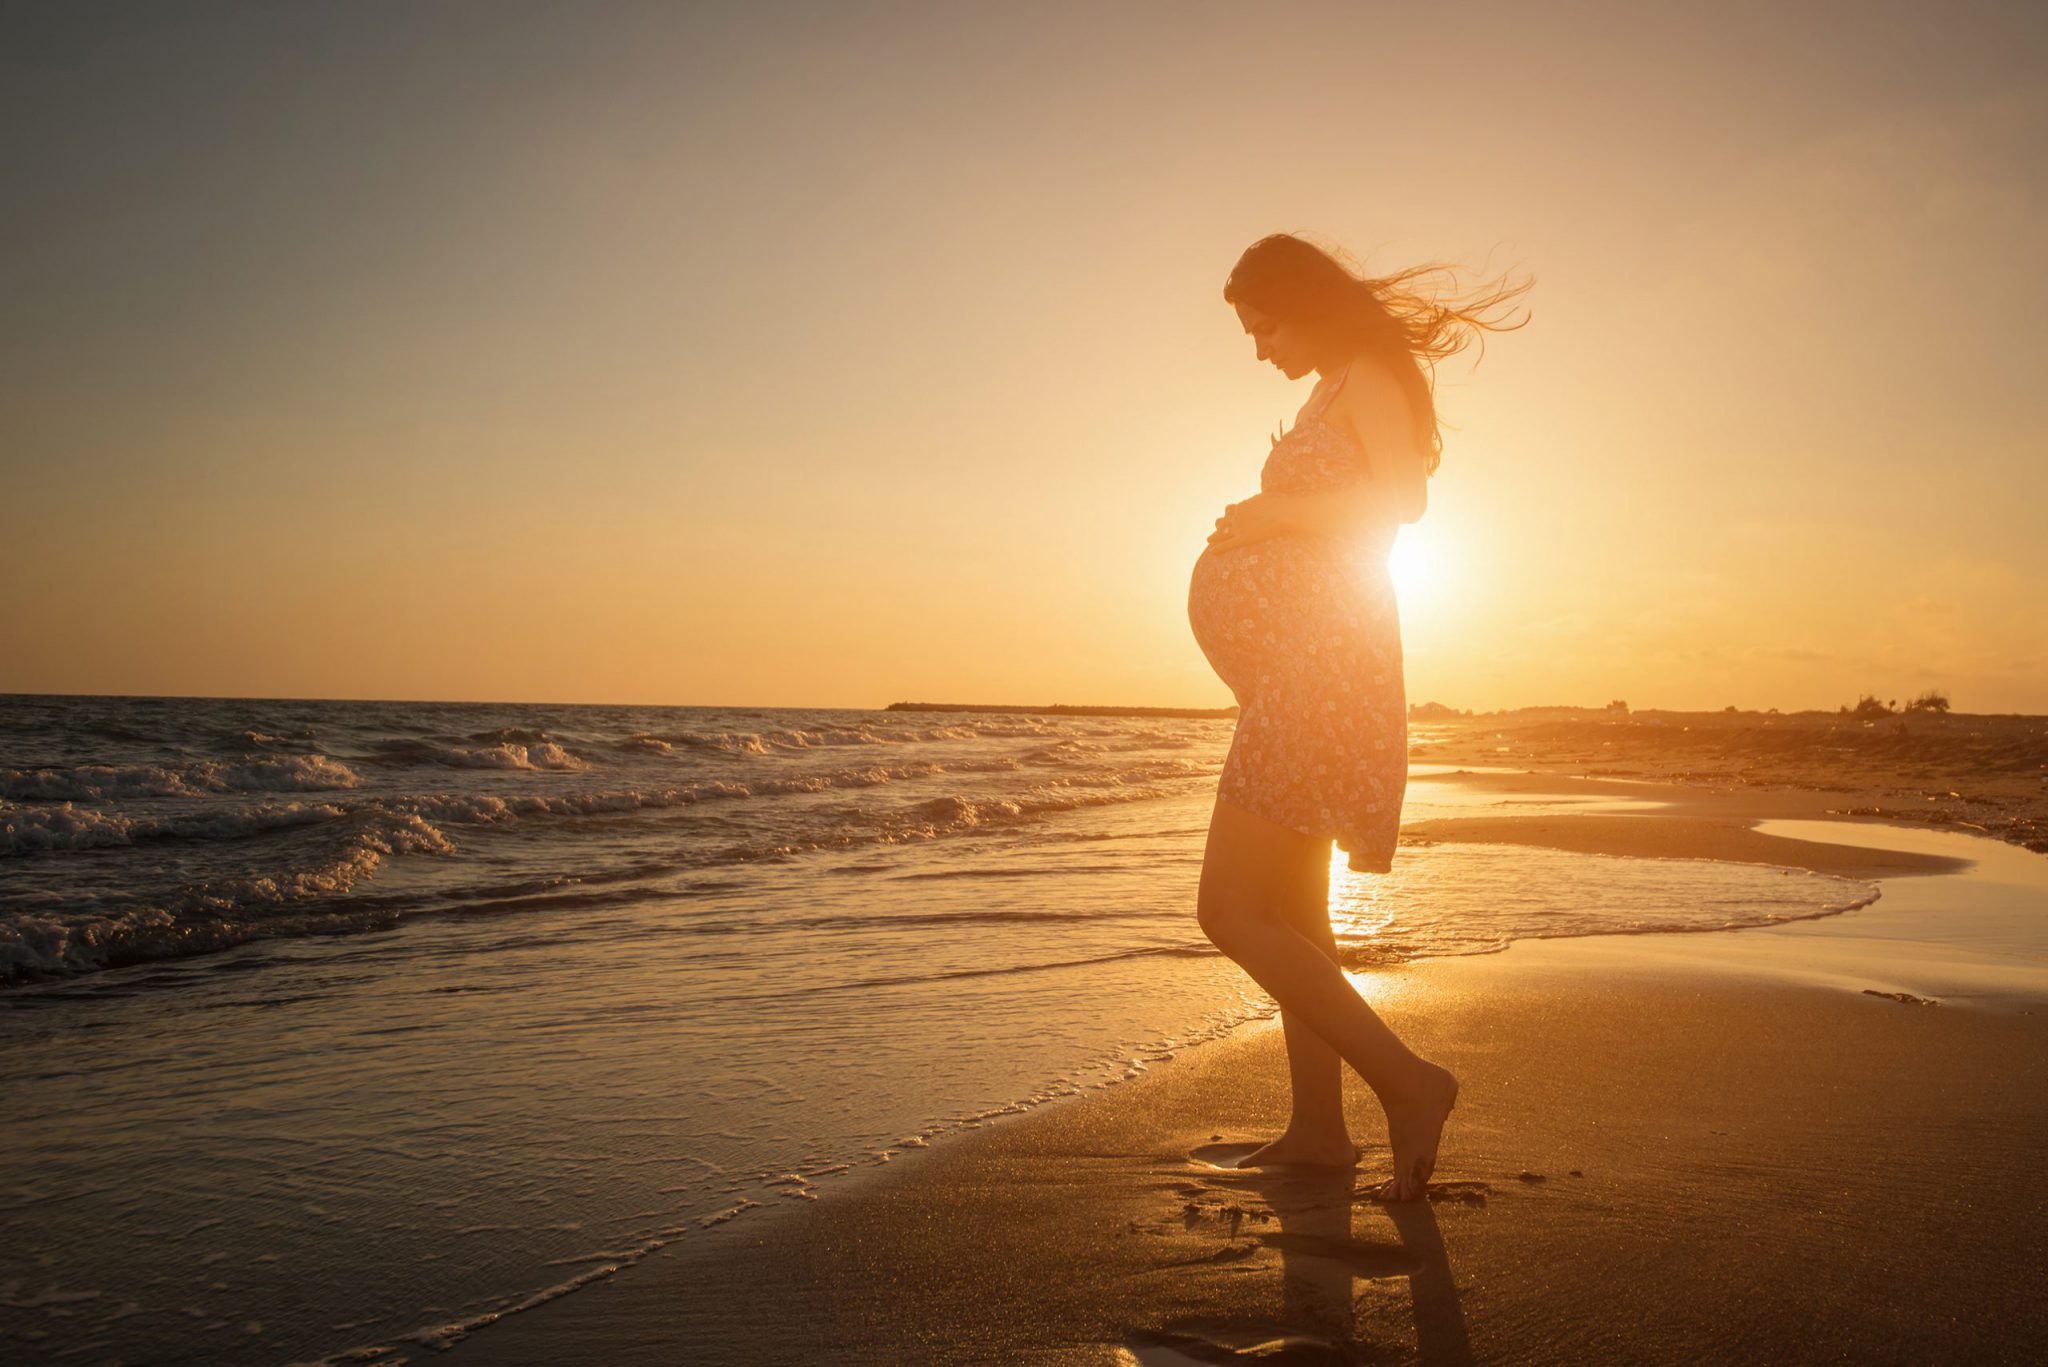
(1817, 1141)
(1688, 822)
(1982, 773)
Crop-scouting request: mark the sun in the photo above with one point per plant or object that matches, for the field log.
(1415, 566)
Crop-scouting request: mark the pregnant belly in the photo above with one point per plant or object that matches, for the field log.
(1249, 605)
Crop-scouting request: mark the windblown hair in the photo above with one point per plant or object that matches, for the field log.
(1405, 329)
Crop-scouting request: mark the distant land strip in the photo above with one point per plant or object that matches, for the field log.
(1063, 709)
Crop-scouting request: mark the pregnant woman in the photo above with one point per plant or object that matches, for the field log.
(1293, 605)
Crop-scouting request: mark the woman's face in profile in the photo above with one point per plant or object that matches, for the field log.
(1277, 343)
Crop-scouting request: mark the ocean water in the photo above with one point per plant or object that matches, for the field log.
(337, 1029)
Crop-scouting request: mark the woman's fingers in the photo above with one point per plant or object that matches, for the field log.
(1225, 531)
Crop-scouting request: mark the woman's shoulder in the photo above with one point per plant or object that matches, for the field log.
(1364, 387)
(1372, 410)
(1366, 375)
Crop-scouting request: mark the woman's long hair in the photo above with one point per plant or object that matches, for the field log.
(1406, 329)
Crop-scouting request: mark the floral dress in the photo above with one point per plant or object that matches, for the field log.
(1305, 631)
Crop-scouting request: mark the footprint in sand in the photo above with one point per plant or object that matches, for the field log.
(1226, 1157)
(1441, 1193)
(1231, 1341)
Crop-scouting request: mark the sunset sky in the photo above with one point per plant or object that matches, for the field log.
(839, 354)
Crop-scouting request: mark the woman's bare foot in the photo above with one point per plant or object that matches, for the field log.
(1415, 1125)
(1302, 1151)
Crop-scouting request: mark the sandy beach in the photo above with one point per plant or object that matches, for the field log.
(625, 625)
(1811, 1142)
(1986, 774)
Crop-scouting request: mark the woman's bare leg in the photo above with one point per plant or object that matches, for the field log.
(1316, 1134)
(1237, 910)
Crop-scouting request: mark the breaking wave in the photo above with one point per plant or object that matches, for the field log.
(195, 778)
(142, 845)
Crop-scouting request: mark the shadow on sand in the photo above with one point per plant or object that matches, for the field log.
(1307, 1220)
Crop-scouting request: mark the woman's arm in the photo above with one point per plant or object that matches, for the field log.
(1373, 410)
(1345, 510)
(1339, 512)
(1395, 489)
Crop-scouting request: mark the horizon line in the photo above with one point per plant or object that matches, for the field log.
(1098, 709)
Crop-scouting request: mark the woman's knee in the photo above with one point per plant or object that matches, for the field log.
(1224, 919)
(1255, 871)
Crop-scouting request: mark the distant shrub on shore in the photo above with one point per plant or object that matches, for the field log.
(1433, 711)
(1933, 700)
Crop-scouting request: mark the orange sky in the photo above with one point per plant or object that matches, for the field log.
(833, 355)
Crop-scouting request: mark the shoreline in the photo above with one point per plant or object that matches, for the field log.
(883, 1267)
(1062, 709)
(1973, 772)
(1692, 821)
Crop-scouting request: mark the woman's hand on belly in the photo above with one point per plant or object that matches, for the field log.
(1255, 519)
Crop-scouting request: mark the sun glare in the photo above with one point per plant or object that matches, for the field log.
(1414, 566)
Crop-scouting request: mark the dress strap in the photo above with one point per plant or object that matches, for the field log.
(1335, 385)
